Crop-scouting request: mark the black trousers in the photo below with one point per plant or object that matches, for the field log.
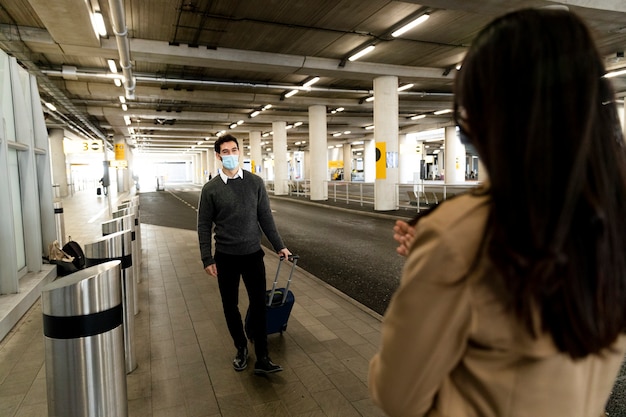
(252, 269)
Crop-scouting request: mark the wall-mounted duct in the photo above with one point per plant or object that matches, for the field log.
(118, 21)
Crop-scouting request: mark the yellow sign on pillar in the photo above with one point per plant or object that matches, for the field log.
(120, 153)
(381, 160)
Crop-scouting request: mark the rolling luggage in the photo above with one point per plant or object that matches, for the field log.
(279, 302)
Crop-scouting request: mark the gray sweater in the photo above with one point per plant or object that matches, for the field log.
(239, 210)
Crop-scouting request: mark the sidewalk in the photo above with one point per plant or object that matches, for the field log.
(183, 349)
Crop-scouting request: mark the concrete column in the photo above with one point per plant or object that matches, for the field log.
(454, 171)
(212, 162)
(256, 153)
(369, 160)
(58, 163)
(347, 161)
(279, 146)
(318, 149)
(386, 138)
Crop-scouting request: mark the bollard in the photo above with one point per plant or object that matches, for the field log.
(117, 225)
(112, 226)
(59, 222)
(117, 246)
(84, 343)
(133, 208)
(129, 222)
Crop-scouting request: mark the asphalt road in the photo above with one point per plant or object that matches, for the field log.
(351, 251)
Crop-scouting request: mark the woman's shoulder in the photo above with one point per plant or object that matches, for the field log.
(465, 210)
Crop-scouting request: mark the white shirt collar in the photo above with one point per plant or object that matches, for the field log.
(225, 177)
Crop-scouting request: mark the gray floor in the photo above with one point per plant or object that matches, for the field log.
(183, 349)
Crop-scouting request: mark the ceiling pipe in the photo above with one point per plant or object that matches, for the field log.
(118, 21)
(163, 80)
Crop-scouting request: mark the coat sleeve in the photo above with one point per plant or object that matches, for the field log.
(425, 329)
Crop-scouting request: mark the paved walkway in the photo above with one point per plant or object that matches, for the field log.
(183, 349)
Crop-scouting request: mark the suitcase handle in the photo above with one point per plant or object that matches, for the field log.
(294, 261)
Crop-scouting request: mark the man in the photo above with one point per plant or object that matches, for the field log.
(238, 206)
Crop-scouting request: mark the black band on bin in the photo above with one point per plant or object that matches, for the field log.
(126, 261)
(74, 327)
(58, 210)
(132, 235)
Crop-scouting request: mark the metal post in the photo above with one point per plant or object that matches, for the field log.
(84, 343)
(117, 246)
(59, 222)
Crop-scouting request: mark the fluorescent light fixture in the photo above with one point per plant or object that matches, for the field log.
(357, 142)
(339, 146)
(127, 120)
(336, 134)
(122, 99)
(340, 109)
(311, 82)
(112, 65)
(296, 124)
(361, 53)
(615, 73)
(458, 66)
(370, 127)
(440, 112)
(417, 117)
(410, 26)
(370, 99)
(233, 125)
(98, 24)
(347, 132)
(405, 87)
(124, 107)
(288, 126)
(266, 134)
(239, 122)
(118, 82)
(291, 93)
(50, 106)
(255, 113)
(267, 106)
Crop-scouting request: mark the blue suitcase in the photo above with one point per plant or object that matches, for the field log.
(279, 302)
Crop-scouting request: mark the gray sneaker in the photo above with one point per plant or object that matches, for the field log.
(241, 360)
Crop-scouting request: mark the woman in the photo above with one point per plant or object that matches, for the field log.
(512, 299)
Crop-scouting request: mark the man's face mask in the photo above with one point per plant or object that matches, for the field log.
(230, 161)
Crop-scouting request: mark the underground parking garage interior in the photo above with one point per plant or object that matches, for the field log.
(111, 99)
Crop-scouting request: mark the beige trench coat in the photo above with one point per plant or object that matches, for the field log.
(450, 348)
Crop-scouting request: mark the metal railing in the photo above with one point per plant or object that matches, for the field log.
(417, 196)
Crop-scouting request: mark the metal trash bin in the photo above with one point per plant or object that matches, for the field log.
(117, 246)
(84, 343)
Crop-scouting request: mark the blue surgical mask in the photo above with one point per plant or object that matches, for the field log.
(230, 162)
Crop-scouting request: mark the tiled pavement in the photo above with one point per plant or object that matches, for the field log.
(183, 349)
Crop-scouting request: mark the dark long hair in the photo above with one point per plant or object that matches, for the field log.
(533, 101)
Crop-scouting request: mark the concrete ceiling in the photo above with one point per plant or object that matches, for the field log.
(200, 65)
